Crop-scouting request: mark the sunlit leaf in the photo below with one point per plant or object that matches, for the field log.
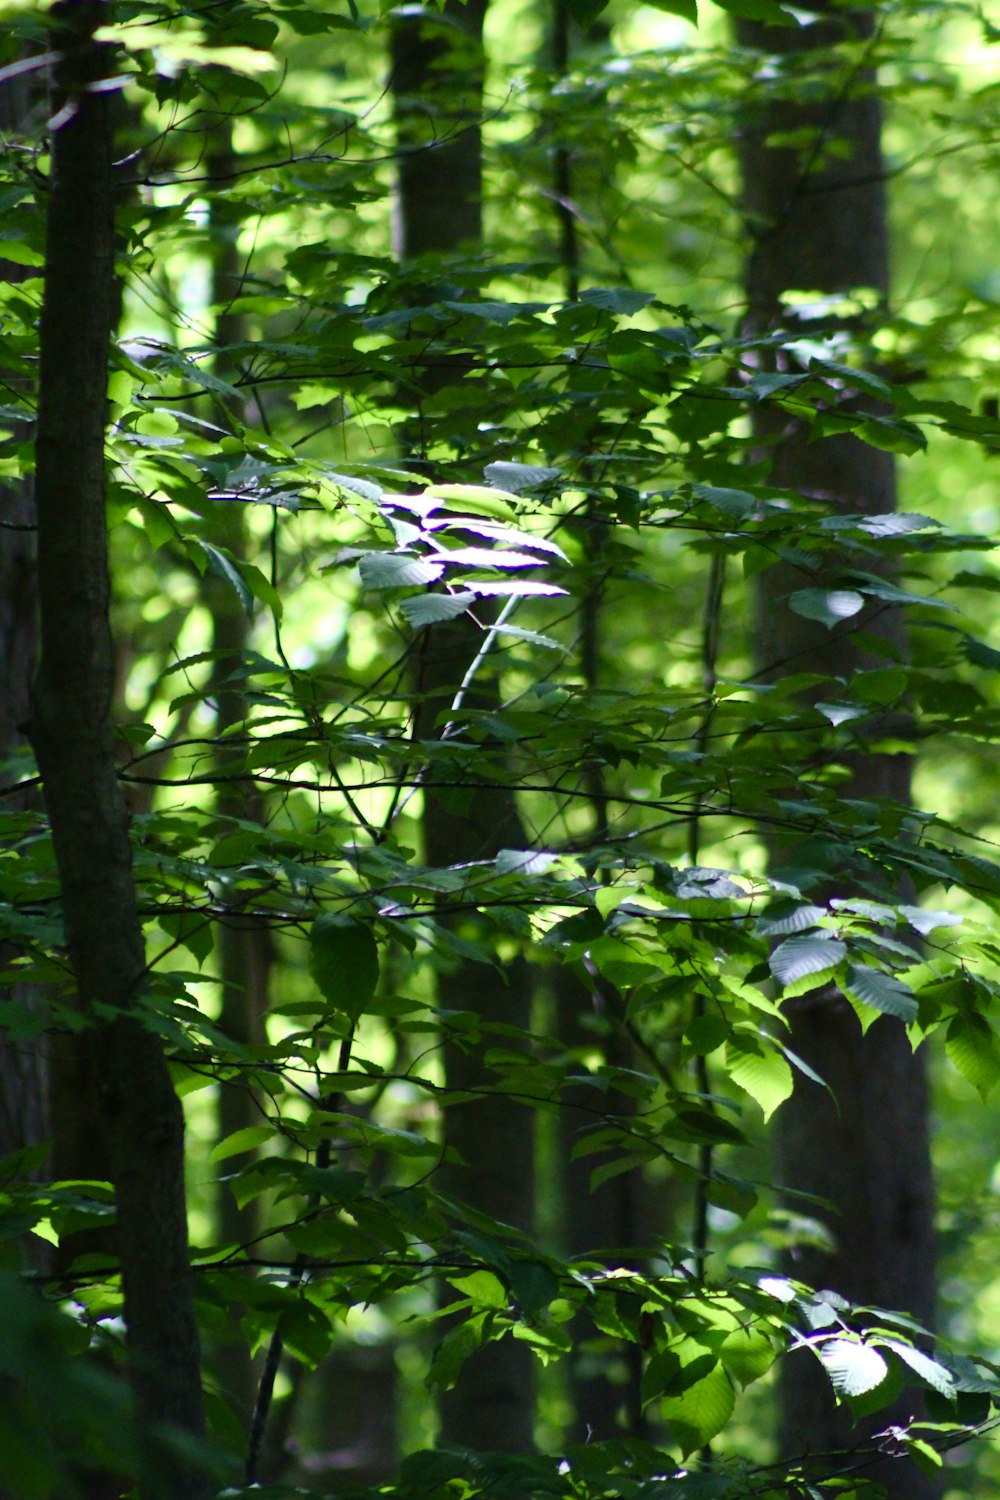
(431, 609)
(883, 992)
(828, 606)
(798, 957)
(854, 1367)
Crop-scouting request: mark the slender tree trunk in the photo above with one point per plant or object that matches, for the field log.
(604, 1380)
(437, 82)
(244, 947)
(818, 220)
(72, 735)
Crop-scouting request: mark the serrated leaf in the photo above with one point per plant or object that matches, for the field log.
(700, 1413)
(431, 609)
(486, 557)
(796, 919)
(453, 1350)
(513, 588)
(517, 477)
(853, 1367)
(921, 1364)
(828, 606)
(892, 435)
(482, 1288)
(971, 1046)
(762, 1072)
(396, 570)
(354, 486)
(494, 531)
(529, 637)
(624, 299)
(343, 961)
(881, 991)
(224, 568)
(481, 498)
(925, 921)
(747, 1354)
(798, 957)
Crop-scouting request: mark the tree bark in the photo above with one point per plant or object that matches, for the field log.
(819, 223)
(72, 735)
(243, 946)
(23, 1063)
(437, 83)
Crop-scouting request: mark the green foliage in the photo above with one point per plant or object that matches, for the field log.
(408, 446)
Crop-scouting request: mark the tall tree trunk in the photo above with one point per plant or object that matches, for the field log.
(818, 220)
(23, 1063)
(244, 947)
(72, 734)
(605, 1381)
(437, 82)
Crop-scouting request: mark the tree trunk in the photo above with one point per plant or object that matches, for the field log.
(437, 82)
(244, 947)
(23, 1063)
(818, 220)
(72, 734)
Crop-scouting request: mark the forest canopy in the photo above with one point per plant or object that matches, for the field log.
(499, 965)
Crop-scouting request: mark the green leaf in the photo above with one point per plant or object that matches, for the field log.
(747, 1354)
(800, 957)
(517, 477)
(761, 1071)
(828, 606)
(971, 1045)
(840, 713)
(671, 1372)
(306, 1332)
(453, 1350)
(892, 435)
(786, 918)
(883, 992)
(625, 300)
(516, 588)
(223, 567)
(701, 1412)
(432, 609)
(529, 637)
(343, 961)
(242, 1140)
(925, 921)
(482, 1288)
(936, 1376)
(533, 1285)
(981, 655)
(854, 1368)
(395, 570)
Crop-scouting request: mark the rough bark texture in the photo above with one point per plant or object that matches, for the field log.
(819, 224)
(437, 80)
(71, 732)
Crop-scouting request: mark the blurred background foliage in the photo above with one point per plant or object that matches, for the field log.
(576, 390)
